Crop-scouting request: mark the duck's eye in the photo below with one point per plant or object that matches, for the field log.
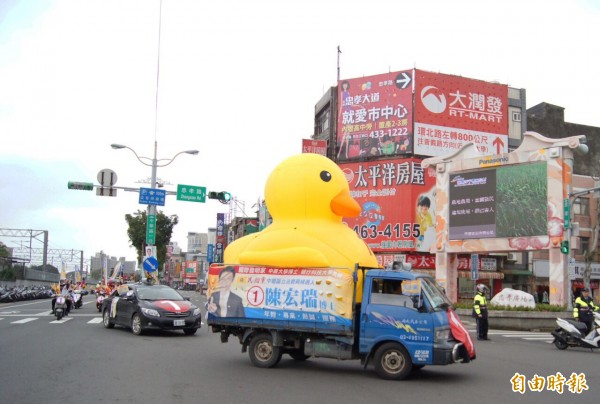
(325, 176)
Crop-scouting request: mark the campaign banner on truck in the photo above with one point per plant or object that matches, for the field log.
(397, 199)
(323, 295)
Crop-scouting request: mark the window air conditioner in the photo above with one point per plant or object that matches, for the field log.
(511, 257)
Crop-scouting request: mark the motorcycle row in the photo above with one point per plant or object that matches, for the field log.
(21, 293)
(63, 302)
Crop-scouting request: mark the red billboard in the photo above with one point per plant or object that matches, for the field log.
(397, 198)
(314, 146)
(375, 116)
(191, 269)
(451, 111)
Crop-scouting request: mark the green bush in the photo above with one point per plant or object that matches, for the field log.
(8, 275)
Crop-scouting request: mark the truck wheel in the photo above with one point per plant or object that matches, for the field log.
(262, 352)
(392, 362)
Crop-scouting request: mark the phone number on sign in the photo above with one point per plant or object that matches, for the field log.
(406, 230)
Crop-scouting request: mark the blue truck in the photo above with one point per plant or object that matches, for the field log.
(398, 321)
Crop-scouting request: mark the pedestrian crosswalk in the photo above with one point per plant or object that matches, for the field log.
(63, 320)
(525, 335)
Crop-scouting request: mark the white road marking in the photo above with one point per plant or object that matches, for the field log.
(95, 320)
(25, 320)
(43, 313)
(63, 320)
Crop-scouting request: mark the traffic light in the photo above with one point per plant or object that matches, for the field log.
(564, 247)
(223, 197)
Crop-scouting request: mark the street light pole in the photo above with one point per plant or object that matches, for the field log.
(154, 163)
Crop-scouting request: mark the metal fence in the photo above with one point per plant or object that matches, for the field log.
(35, 275)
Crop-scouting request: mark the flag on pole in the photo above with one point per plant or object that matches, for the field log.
(105, 269)
(115, 272)
(77, 274)
(63, 271)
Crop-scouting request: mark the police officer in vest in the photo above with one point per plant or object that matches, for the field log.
(583, 309)
(480, 313)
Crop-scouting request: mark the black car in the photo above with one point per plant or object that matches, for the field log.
(143, 307)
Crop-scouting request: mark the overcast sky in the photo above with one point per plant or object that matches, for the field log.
(238, 81)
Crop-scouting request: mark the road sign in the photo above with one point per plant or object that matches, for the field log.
(474, 267)
(106, 191)
(567, 211)
(151, 230)
(107, 177)
(152, 196)
(191, 193)
(82, 186)
(150, 264)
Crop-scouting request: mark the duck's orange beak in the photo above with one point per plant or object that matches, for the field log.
(344, 205)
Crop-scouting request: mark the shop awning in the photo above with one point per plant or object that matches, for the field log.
(482, 275)
(522, 272)
(430, 272)
(465, 274)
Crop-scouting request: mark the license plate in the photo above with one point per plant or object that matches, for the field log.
(178, 323)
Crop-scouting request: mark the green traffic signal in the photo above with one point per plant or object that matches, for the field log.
(564, 247)
(223, 197)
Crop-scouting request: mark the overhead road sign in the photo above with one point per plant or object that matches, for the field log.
(152, 196)
(191, 193)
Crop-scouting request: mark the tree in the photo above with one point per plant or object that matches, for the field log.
(137, 233)
(3, 250)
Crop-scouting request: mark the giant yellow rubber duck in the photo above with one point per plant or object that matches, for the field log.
(307, 196)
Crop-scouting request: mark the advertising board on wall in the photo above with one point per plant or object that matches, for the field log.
(375, 116)
(490, 203)
(397, 199)
(220, 237)
(451, 111)
(314, 146)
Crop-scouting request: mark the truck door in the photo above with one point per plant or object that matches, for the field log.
(395, 312)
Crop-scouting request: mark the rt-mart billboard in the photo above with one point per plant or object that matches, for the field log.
(420, 112)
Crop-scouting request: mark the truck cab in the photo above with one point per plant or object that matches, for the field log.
(409, 314)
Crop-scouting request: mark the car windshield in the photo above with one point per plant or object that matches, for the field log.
(434, 294)
(150, 293)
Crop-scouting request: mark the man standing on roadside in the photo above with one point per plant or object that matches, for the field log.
(480, 312)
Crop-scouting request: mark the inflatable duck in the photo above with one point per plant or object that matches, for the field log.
(307, 196)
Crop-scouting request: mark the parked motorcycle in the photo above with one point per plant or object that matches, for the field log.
(99, 300)
(571, 333)
(60, 307)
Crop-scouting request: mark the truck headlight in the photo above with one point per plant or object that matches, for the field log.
(150, 312)
(441, 334)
